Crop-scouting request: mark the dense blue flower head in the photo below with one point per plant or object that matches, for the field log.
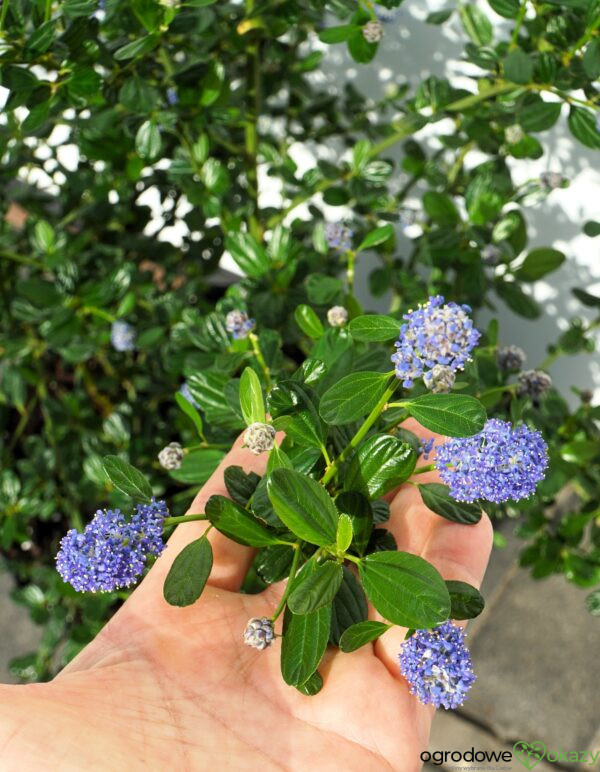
(238, 324)
(111, 552)
(498, 464)
(122, 336)
(437, 665)
(437, 333)
(172, 97)
(338, 236)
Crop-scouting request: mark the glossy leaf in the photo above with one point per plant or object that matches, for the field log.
(237, 523)
(466, 602)
(352, 397)
(303, 505)
(454, 415)
(360, 634)
(189, 573)
(127, 479)
(437, 498)
(379, 465)
(405, 589)
(251, 397)
(315, 586)
(304, 642)
(375, 328)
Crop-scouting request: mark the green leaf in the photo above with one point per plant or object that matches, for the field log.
(405, 589)
(539, 115)
(582, 124)
(439, 17)
(337, 34)
(507, 8)
(126, 478)
(344, 534)
(197, 466)
(240, 486)
(308, 321)
(251, 257)
(518, 67)
(374, 328)
(517, 300)
(454, 415)
(476, 24)
(274, 563)
(437, 498)
(237, 523)
(136, 48)
(591, 59)
(211, 84)
(466, 602)
(379, 465)
(352, 397)
(361, 633)
(441, 208)
(251, 398)
(304, 642)
(349, 606)
(147, 141)
(361, 50)
(359, 510)
(579, 451)
(190, 411)
(375, 237)
(315, 586)
(592, 301)
(278, 460)
(189, 573)
(538, 263)
(312, 685)
(303, 506)
(592, 603)
(592, 228)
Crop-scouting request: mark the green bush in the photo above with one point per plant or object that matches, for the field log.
(196, 102)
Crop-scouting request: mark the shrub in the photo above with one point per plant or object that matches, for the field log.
(197, 105)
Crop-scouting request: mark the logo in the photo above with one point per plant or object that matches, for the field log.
(529, 754)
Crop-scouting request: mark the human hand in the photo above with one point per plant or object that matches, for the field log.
(164, 687)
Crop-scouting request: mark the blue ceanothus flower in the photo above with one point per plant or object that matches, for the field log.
(111, 552)
(122, 336)
(238, 324)
(502, 462)
(338, 236)
(436, 333)
(437, 665)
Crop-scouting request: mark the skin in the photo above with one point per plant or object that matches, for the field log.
(176, 688)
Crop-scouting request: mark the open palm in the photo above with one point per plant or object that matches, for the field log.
(170, 688)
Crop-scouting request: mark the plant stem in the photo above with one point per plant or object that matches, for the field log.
(183, 519)
(3, 12)
(518, 22)
(583, 40)
(9, 255)
(508, 387)
(350, 271)
(423, 469)
(360, 434)
(261, 360)
(48, 10)
(286, 592)
(251, 130)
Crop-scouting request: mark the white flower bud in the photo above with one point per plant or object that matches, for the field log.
(372, 31)
(440, 379)
(259, 437)
(337, 316)
(171, 456)
(259, 633)
(513, 134)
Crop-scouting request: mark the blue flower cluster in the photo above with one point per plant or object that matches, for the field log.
(437, 665)
(111, 552)
(338, 236)
(498, 464)
(122, 336)
(437, 333)
(426, 446)
(238, 324)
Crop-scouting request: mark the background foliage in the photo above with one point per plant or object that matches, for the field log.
(196, 103)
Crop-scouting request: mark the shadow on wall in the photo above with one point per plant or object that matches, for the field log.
(411, 50)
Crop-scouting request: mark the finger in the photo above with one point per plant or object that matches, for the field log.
(230, 559)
